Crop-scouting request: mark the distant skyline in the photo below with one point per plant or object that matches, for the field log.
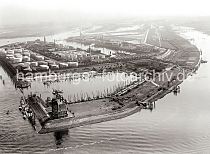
(35, 11)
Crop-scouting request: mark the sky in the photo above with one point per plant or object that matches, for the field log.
(31, 11)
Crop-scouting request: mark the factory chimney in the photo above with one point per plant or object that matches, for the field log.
(44, 40)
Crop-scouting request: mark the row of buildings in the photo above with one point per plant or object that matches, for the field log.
(28, 61)
(80, 55)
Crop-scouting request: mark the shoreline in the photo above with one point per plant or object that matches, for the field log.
(49, 127)
(69, 123)
(66, 123)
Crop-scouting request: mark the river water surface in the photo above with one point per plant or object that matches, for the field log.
(178, 124)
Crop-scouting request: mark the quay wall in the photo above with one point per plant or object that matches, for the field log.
(7, 67)
(67, 123)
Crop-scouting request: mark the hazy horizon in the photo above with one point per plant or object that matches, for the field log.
(68, 11)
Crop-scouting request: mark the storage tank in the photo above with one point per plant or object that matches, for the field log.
(50, 62)
(28, 69)
(73, 64)
(28, 63)
(26, 54)
(17, 60)
(26, 50)
(34, 64)
(62, 65)
(18, 55)
(26, 58)
(39, 57)
(18, 50)
(10, 52)
(43, 63)
(54, 66)
(9, 55)
(44, 67)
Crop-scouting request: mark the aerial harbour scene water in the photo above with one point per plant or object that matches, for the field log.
(108, 84)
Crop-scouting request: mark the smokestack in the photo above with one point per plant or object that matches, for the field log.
(44, 40)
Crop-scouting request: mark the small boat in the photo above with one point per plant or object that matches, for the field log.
(47, 83)
(24, 116)
(7, 112)
(22, 84)
(55, 92)
(204, 61)
(20, 108)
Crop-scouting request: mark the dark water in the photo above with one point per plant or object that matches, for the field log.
(178, 124)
